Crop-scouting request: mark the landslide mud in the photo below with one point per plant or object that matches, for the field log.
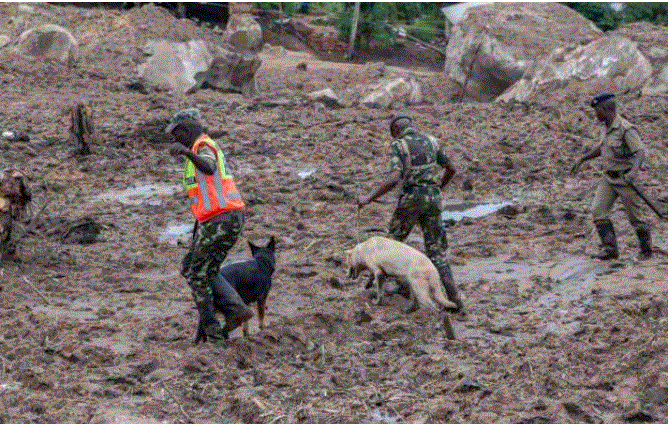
(101, 331)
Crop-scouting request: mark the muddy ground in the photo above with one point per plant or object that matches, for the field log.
(101, 331)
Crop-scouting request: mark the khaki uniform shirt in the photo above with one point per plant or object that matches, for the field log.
(620, 142)
(418, 157)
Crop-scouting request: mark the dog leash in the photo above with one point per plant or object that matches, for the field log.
(357, 226)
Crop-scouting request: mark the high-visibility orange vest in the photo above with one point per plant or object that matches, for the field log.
(210, 195)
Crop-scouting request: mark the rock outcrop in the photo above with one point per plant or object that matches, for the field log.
(494, 44)
(49, 42)
(185, 67)
(396, 90)
(243, 33)
(613, 59)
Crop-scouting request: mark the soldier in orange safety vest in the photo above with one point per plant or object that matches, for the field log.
(218, 209)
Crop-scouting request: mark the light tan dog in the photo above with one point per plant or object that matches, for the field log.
(386, 257)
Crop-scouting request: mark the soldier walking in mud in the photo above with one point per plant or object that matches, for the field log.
(623, 153)
(415, 159)
(218, 209)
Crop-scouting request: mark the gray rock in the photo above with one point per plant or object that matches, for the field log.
(495, 44)
(326, 97)
(615, 58)
(243, 33)
(4, 40)
(185, 67)
(49, 42)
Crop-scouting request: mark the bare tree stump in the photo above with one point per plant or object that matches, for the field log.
(81, 127)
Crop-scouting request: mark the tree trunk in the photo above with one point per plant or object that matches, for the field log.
(353, 31)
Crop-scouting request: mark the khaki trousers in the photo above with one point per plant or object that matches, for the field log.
(607, 192)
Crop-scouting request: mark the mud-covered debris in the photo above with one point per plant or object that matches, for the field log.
(639, 417)
(362, 317)
(467, 185)
(577, 413)
(335, 283)
(508, 211)
(467, 386)
(534, 420)
(326, 97)
(83, 231)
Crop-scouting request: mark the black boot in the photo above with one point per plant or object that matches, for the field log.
(230, 304)
(208, 324)
(449, 284)
(645, 240)
(608, 241)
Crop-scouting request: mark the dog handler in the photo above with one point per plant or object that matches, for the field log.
(218, 208)
(623, 153)
(415, 159)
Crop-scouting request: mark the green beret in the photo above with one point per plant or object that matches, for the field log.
(183, 115)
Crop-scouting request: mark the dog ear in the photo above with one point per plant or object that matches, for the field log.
(272, 243)
(253, 248)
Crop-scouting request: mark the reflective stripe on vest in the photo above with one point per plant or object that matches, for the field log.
(210, 195)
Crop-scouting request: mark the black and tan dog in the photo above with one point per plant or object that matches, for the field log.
(251, 279)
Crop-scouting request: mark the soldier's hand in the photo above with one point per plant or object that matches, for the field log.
(176, 149)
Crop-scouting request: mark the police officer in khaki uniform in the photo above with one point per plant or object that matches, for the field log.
(623, 153)
(416, 159)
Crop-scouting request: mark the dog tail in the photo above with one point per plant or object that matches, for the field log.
(436, 292)
(423, 295)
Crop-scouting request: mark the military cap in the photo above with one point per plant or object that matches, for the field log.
(400, 115)
(601, 98)
(183, 115)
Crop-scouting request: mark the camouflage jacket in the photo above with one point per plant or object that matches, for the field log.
(419, 157)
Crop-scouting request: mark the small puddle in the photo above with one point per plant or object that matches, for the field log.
(458, 211)
(148, 193)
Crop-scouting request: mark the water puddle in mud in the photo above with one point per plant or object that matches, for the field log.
(563, 294)
(177, 232)
(148, 193)
(458, 211)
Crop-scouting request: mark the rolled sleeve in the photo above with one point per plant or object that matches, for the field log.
(396, 160)
(633, 140)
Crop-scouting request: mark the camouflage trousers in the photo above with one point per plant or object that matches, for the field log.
(211, 242)
(421, 205)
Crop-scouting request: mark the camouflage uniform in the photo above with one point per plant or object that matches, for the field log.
(419, 158)
(211, 242)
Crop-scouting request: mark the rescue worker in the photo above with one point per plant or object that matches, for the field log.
(623, 153)
(218, 209)
(416, 159)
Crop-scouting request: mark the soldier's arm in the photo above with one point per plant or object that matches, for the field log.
(632, 139)
(593, 153)
(205, 163)
(450, 170)
(391, 180)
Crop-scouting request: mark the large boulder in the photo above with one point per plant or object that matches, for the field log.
(613, 59)
(401, 91)
(175, 65)
(653, 43)
(48, 42)
(185, 67)
(231, 71)
(243, 33)
(494, 44)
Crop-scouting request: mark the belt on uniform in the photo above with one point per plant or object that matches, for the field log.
(616, 174)
(425, 187)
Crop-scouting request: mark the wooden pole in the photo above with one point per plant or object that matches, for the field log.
(353, 31)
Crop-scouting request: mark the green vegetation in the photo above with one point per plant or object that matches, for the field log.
(607, 18)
